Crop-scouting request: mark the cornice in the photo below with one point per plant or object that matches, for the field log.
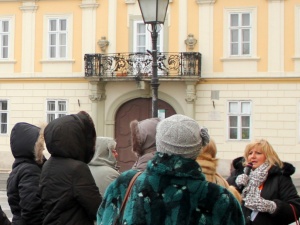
(206, 2)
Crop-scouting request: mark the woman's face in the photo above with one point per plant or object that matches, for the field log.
(256, 157)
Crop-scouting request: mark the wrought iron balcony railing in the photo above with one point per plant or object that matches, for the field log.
(139, 64)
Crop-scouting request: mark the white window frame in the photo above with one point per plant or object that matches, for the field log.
(239, 114)
(148, 45)
(4, 111)
(10, 33)
(56, 112)
(69, 40)
(227, 33)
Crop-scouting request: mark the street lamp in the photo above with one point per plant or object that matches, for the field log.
(154, 13)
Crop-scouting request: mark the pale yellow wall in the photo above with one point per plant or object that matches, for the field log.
(193, 21)
(122, 27)
(173, 30)
(262, 31)
(64, 7)
(14, 10)
(102, 22)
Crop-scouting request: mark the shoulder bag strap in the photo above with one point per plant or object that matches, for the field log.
(126, 196)
(295, 215)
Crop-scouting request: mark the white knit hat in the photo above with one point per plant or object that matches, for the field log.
(181, 135)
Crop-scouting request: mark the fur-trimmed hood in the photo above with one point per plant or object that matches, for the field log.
(27, 141)
(143, 136)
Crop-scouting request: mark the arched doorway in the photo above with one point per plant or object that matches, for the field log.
(139, 109)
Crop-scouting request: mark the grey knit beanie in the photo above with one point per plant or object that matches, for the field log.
(181, 135)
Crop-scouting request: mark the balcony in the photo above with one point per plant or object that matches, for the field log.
(138, 66)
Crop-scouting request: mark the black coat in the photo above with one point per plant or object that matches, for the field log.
(279, 188)
(23, 181)
(69, 193)
(3, 218)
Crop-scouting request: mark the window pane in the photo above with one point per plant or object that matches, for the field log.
(234, 49)
(234, 20)
(63, 25)
(3, 128)
(52, 52)
(3, 105)
(246, 49)
(5, 26)
(52, 25)
(245, 133)
(246, 35)
(246, 19)
(5, 40)
(3, 117)
(61, 106)
(50, 117)
(233, 122)
(245, 121)
(233, 107)
(245, 107)
(141, 49)
(51, 106)
(62, 39)
(5, 53)
(233, 133)
(52, 39)
(61, 115)
(234, 35)
(62, 50)
(141, 28)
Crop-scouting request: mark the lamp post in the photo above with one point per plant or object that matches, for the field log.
(154, 13)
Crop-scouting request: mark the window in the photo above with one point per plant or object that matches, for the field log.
(56, 109)
(57, 38)
(240, 34)
(4, 38)
(142, 38)
(3, 116)
(239, 120)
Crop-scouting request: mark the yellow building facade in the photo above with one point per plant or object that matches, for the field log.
(249, 85)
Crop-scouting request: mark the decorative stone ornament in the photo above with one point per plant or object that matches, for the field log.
(103, 43)
(190, 42)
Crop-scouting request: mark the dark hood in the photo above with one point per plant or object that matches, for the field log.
(22, 140)
(287, 170)
(72, 136)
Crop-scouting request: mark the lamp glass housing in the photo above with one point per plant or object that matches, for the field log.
(154, 11)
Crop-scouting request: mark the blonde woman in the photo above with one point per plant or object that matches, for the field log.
(268, 190)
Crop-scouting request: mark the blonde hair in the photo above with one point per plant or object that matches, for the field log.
(267, 149)
(210, 149)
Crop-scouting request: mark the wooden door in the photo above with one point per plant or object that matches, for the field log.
(139, 109)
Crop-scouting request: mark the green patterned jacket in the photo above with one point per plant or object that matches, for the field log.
(171, 191)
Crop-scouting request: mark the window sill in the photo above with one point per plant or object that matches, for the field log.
(57, 61)
(7, 61)
(241, 58)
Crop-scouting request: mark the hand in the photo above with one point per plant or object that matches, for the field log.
(257, 203)
(242, 180)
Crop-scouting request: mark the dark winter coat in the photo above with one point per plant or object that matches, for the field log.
(237, 169)
(26, 144)
(171, 191)
(3, 218)
(69, 193)
(279, 188)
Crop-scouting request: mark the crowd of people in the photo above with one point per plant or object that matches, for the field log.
(174, 180)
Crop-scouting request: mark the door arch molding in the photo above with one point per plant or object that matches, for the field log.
(111, 112)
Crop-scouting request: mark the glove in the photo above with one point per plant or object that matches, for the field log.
(242, 180)
(257, 203)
